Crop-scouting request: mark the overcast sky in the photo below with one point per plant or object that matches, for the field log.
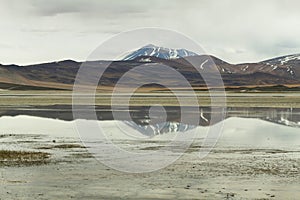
(34, 31)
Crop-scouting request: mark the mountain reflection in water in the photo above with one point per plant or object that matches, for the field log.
(139, 115)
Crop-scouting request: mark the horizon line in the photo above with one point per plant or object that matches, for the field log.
(77, 61)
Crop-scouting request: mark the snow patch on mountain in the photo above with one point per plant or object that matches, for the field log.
(202, 64)
(160, 52)
(289, 58)
(282, 60)
(245, 68)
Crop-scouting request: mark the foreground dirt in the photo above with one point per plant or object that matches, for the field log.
(226, 173)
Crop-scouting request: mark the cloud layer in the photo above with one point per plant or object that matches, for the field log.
(235, 30)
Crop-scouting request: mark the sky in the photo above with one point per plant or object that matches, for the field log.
(35, 31)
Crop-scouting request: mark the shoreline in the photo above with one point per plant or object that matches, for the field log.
(232, 99)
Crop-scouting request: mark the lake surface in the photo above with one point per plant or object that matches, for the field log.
(256, 155)
(140, 114)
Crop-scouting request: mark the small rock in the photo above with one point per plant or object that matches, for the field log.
(187, 186)
(229, 195)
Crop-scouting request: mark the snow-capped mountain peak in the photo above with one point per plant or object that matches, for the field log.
(289, 58)
(288, 64)
(160, 52)
(284, 59)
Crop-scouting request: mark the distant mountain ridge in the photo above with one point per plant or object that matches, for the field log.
(284, 70)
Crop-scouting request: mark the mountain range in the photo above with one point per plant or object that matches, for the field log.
(284, 70)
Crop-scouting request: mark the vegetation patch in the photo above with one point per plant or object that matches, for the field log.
(68, 146)
(81, 155)
(63, 146)
(19, 158)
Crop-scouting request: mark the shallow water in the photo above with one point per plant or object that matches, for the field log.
(257, 155)
(140, 115)
(253, 159)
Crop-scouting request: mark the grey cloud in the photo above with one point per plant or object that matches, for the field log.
(86, 7)
(4, 46)
(289, 44)
(234, 30)
(40, 30)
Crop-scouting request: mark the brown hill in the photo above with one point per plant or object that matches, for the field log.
(61, 75)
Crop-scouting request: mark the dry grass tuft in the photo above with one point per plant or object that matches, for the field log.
(18, 158)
